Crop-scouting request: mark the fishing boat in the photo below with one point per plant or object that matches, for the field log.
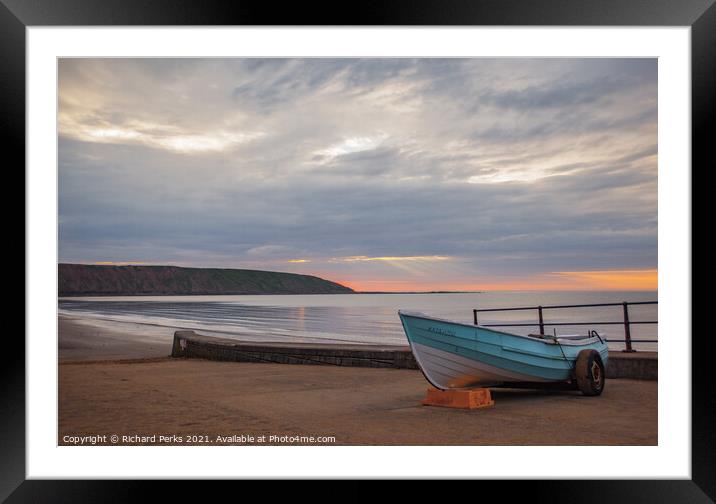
(453, 355)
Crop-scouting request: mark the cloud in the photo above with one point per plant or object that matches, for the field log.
(391, 258)
(506, 167)
(161, 136)
(554, 94)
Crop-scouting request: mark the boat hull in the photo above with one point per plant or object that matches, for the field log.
(452, 355)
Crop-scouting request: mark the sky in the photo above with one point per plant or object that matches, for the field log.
(380, 174)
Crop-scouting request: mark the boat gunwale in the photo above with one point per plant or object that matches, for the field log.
(554, 341)
(512, 349)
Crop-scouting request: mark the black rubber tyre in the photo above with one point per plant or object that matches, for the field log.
(589, 372)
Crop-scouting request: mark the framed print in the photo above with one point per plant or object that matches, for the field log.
(258, 238)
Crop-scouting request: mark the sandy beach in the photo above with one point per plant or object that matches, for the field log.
(112, 383)
(83, 340)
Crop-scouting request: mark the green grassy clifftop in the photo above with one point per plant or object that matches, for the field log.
(95, 280)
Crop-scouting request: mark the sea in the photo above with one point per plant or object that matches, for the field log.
(362, 318)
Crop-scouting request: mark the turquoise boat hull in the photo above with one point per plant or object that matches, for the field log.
(453, 355)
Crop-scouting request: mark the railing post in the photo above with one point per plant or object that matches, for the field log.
(627, 329)
(541, 321)
(474, 316)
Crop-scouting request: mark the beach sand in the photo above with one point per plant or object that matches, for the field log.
(83, 340)
(146, 393)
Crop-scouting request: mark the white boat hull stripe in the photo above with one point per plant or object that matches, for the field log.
(448, 370)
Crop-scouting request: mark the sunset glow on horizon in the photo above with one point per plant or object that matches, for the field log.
(645, 280)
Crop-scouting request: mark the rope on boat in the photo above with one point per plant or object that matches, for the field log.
(556, 340)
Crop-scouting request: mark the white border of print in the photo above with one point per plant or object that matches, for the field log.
(671, 458)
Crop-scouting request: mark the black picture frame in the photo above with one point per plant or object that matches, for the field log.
(700, 15)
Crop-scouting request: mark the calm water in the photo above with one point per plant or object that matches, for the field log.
(355, 318)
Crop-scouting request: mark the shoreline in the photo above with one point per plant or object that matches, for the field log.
(525, 291)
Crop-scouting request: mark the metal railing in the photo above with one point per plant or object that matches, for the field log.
(626, 322)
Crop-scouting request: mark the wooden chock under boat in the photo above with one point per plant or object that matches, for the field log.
(464, 399)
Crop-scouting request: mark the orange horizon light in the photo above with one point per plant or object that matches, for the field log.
(561, 280)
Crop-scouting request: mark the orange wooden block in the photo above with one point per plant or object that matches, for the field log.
(465, 399)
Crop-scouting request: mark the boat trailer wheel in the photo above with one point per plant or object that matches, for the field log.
(589, 372)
